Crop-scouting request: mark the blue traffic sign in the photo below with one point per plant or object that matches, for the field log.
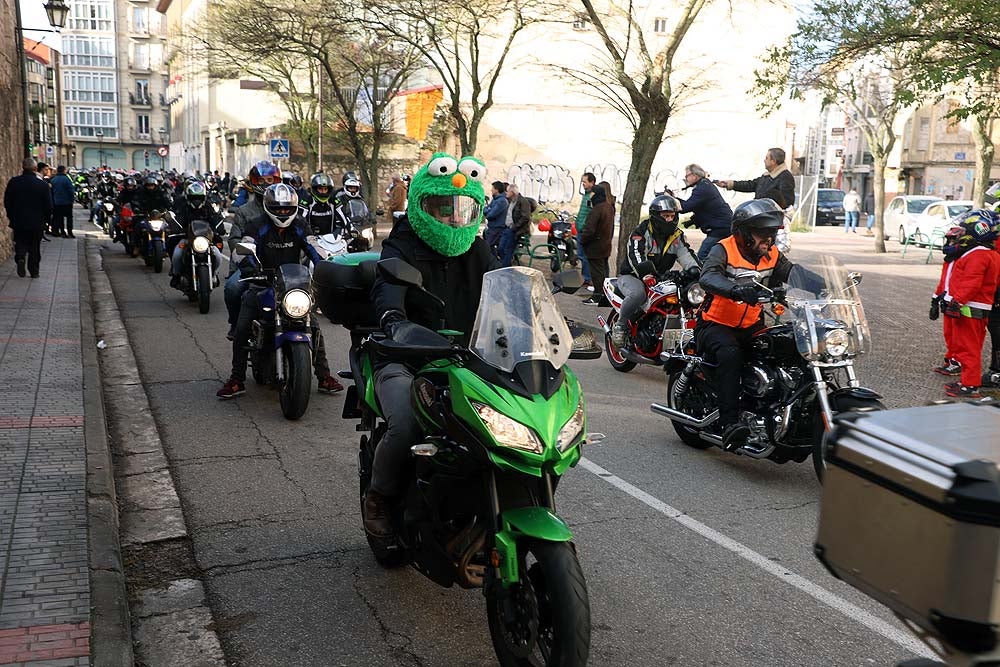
(279, 149)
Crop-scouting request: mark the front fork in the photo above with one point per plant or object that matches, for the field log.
(194, 270)
(821, 392)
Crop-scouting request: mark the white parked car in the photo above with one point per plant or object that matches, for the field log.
(938, 216)
(902, 212)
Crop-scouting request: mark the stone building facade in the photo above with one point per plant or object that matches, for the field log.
(12, 109)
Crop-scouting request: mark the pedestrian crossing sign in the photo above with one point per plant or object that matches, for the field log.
(279, 149)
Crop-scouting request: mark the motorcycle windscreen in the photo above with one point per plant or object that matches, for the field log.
(519, 320)
(822, 299)
(357, 212)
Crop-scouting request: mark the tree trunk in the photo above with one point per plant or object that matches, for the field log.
(878, 187)
(645, 144)
(984, 159)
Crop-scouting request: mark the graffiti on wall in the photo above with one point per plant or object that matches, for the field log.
(544, 182)
(555, 183)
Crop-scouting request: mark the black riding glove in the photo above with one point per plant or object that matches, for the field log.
(745, 293)
(935, 308)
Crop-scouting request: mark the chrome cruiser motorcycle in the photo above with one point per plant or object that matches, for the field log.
(799, 372)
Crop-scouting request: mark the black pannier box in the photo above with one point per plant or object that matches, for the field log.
(342, 288)
(911, 516)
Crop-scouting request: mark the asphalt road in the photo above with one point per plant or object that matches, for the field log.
(691, 557)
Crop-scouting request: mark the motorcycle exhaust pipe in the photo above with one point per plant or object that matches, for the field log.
(604, 324)
(687, 420)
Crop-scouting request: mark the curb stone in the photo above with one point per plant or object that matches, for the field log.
(110, 630)
(147, 502)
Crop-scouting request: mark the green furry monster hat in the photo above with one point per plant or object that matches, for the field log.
(445, 202)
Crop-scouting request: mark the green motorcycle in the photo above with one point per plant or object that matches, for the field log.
(504, 419)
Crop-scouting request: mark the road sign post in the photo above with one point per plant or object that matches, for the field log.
(162, 151)
(279, 149)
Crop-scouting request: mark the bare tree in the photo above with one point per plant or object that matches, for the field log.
(466, 43)
(361, 70)
(643, 88)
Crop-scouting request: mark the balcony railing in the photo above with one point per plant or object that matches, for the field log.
(136, 135)
(140, 100)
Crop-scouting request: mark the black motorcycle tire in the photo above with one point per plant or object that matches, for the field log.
(688, 435)
(156, 260)
(204, 288)
(618, 362)
(297, 386)
(387, 553)
(562, 606)
(555, 264)
(844, 404)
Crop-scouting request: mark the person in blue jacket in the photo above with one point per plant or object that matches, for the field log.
(712, 215)
(63, 195)
(496, 216)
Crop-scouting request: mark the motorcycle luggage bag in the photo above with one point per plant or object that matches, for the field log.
(342, 288)
(911, 516)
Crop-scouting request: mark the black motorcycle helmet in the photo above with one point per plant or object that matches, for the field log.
(321, 187)
(763, 216)
(131, 184)
(660, 210)
(195, 194)
(150, 183)
(295, 181)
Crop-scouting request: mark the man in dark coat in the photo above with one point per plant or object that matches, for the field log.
(28, 203)
(712, 214)
(595, 239)
(776, 183)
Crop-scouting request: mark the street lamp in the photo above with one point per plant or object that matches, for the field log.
(162, 131)
(57, 11)
(100, 148)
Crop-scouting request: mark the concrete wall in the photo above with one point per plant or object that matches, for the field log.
(12, 109)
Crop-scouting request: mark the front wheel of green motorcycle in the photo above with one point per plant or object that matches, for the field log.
(543, 620)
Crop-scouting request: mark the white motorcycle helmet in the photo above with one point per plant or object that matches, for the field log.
(352, 187)
(281, 203)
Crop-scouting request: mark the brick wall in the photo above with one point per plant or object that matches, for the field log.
(12, 111)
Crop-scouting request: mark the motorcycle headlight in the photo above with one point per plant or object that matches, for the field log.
(695, 294)
(296, 303)
(368, 234)
(572, 430)
(108, 206)
(200, 244)
(508, 432)
(836, 342)
(156, 225)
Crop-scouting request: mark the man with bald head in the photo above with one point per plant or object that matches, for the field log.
(28, 203)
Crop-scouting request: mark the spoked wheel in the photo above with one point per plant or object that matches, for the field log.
(844, 404)
(388, 553)
(618, 362)
(543, 620)
(695, 401)
(295, 390)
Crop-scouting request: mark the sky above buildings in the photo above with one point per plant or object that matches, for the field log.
(33, 16)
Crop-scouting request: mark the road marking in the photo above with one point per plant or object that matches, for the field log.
(852, 611)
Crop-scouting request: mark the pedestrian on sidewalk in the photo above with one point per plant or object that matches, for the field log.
(63, 193)
(852, 210)
(496, 217)
(587, 183)
(595, 240)
(520, 224)
(870, 211)
(28, 203)
(711, 214)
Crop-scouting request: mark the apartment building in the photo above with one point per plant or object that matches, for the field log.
(114, 83)
(44, 103)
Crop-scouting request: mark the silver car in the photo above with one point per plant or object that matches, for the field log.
(902, 212)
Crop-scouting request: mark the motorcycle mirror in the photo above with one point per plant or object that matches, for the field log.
(747, 274)
(854, 277)
(568, 281)
(395, 271)
(245, 249)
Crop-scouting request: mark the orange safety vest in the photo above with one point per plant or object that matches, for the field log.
(731, 313)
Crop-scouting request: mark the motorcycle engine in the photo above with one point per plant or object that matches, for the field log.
(757, 381)
(648, 335)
